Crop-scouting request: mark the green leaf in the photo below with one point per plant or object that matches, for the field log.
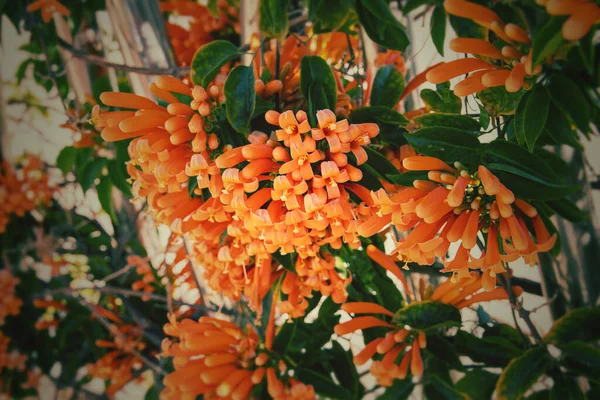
(559, 128)
(427, 315)
(500, 102)
(484, 117)
(388, 86)
(581, 358)
(569, 327)
(506, 332)
(66, 159)
(380, 24)
(344, 369)
(388, 120)
(401, 389)
(444, 390)
(436, 102)
(495, 352)
(287, 261)
(90, 172)
(458, 121)
(438, 28)
(529, 186)
(467, 28)
(407, 178)
(571, 99)
(324, 385)
(531, 116)
(314, 71)
(240, 98)
(285, 336)
(328, 15)
(547, 39)
(440, 348)
(104, 189)
(379, 163)
(209, 59)
(509, 153)
(22, 70)
(118, 178)
(568, 210)
(566, 388)
(152, 394)
(522, 372)
(478, 384)
(412, 5)
(448, 144)
(274, 18)
(192, 185)
(213, 8)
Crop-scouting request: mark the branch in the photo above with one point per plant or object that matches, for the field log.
(523, 313)
(100, 61)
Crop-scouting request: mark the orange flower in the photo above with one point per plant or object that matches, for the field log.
(582, 16)
(48, 7)
(9, 303)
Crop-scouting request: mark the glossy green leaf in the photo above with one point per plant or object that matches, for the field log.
(495, 352)
(458, 121)
(428, 315)
(441, 100)
(438, 387)
(484, 117)
(323, 384)
(500, 102)
(285, 336)
(547, 39)
(559, 128)
(209, 59)
(388, 120)
(407, 178)
(571, 99)
(118, 179)
(401, 389)
(380, 24)
(531, 116)
(569, 327)
(566, 388)
(509, 153)
(478, 384)
(90, 172)
(328, 15)
(448, 144)
(581, 358)
(379, 163)
(316, 77)
(240, 98)
(388, 86)
(344, 370)
(506, 332)
(521, 373)
(274, 18)
(440, 348)
(465, 27)
(438, 28)
(66, 159)
(104, 189)
(568, 210)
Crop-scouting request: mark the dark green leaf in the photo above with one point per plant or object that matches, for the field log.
(568, 210)
(317, 74)
(440, 348)
(388, 86)
(412, 5)
(458, 121)
(509, 153)
(324, 385)
(401, 389)
(491, 351)
(240, 98)
(192, 185)
(569, 327)
(467, 28)
(379, 163)
(559, 128)
(570, 98)
(522, 372)
(90, 172)
(287, 261)
(547, 39)
(552, 159)
(500, 102)
(478, 384)
(582, 359)
(388, 120)
(443, 390)
(344, 369)
(428, 315)
(104, 189)
(407, 178)
(438, 28)
(285, 336)
(153, 393)
(20, 75)
(506, 332)
(213, 8)
(448, 144)
(566, 388)
(274, 18)
(380, 24)
(328, 15)
(531, 116)
(118, 178)
(209, 59)
(66, 159)
(484, 117)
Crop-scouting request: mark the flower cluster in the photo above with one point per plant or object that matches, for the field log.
(201, 28)
(9, 303)
(515, 57)
(119, 364)
(398, 352)
(23, 188)
(215, 358)
(142, 267)
(458, 206)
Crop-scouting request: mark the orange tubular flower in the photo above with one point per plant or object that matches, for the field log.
(513, 67)
(582, 16)
(217, 359)
(398, 352)
(48, 7)
(461, 208)
(9, 304)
